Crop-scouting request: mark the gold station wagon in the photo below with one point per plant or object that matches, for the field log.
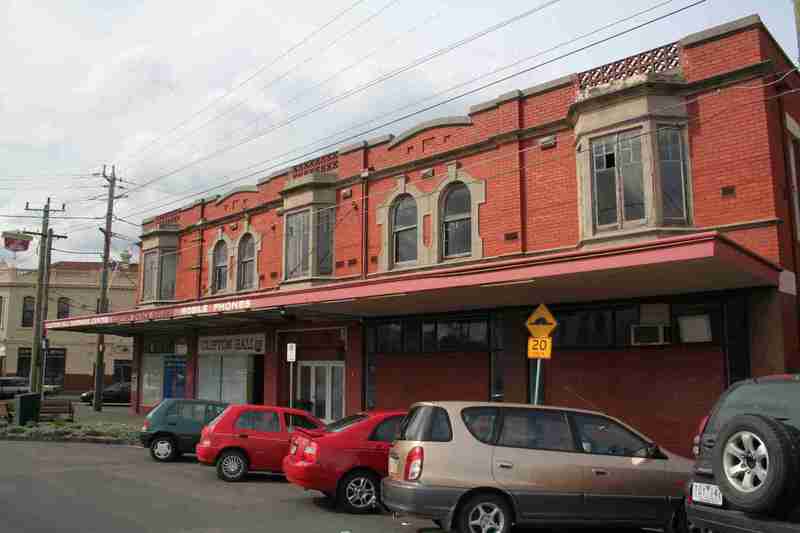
(483, 467)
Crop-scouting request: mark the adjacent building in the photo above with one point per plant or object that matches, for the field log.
(74, 290)
(651, 203)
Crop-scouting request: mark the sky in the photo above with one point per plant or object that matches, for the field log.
(191, 95)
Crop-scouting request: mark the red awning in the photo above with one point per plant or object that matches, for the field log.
(696, 263)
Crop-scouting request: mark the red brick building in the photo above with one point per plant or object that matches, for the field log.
(651, 203)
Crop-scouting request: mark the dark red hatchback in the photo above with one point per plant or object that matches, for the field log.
(347, 460)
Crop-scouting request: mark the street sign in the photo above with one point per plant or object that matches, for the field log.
(291, 352)
(540, 347)
(541, 323)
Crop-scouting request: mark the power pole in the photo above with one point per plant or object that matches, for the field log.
(99, 366)
(797, 21)
(40, 308)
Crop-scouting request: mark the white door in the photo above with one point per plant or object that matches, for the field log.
(321, 389)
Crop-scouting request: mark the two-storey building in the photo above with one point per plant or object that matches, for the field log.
(74, 290)
(651, 203)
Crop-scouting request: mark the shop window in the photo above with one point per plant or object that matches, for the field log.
(122, 370)
(152, 379)
(672, 163)
(62, 308)
(595, 328)
(617, 180)
(55, 366)
(220, 268)
(456, 221)
(415, 336)
(390, 337)
(404, 230)
(536, 430)
(159, 274)
(28, 310)
(23, 362)
(466, 336)
(246, 269)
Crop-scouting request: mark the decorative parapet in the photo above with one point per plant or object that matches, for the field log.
(323, 164)
(658, 60)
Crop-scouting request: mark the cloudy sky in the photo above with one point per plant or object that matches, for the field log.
(191, 95)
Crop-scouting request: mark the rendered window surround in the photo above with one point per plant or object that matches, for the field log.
(647, 129)
(311, 245)
(408, 226)
(429, 204)
(232, 280)
(219, 266)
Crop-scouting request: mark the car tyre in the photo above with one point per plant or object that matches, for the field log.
(484, 513)
(164, 449)
(754, 464)
(232, 466)
(359, 492)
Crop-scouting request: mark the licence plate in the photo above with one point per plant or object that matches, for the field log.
(394, 465)
(706, 493)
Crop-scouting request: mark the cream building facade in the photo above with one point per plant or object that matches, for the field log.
(74, 291)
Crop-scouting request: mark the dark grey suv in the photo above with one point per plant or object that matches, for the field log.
(747, 474)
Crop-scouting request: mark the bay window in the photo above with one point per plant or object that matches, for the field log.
(159, 275)
(672, 164)
(297, 245)
(309, 243)
(617, 180)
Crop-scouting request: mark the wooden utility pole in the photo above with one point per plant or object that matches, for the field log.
(45, 241)
(797, 23)
(99, 365)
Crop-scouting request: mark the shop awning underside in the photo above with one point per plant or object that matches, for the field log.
(690, 264)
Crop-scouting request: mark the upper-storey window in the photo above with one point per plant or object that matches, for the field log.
(28, 307)
(309, 243)
(672, 163)
(246, 269)
(219, 280)
(159, 274)
(62, 308)
(617, 180)
(404, 230)
(456, 221)
(297, 245)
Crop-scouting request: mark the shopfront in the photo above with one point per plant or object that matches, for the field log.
(163, 370)
(230, 368)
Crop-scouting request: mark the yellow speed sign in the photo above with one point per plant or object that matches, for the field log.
(540, 347)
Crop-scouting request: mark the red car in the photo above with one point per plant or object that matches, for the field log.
(347, 460)
(248, 438)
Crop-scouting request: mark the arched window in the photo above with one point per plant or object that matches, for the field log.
(404, 230)
(247, 262)
(456, 221)
(28, 306)
(220, 269)
(62, 309)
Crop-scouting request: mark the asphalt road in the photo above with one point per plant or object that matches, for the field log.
(80, 488)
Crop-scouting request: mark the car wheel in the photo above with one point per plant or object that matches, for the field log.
(163, 449)
(484, 513)
(359, 492)
(232, 466)
(753, 463)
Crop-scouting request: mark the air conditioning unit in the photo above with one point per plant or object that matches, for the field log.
(650, 334)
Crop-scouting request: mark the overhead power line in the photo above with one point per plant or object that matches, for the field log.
(257, 73)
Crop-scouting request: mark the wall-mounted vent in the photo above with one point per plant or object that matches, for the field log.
(650, 334)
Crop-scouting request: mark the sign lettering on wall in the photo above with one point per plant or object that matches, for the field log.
(232, 344)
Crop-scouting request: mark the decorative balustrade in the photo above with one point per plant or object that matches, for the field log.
(662, 59)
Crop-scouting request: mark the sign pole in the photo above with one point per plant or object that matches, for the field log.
(291, 384)
(540, 324)
(538, 382)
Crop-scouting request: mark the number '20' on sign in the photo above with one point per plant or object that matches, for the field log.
(539, 347)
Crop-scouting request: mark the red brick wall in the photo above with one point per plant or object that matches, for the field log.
(721, 55)
(663, 392)
(402, 379)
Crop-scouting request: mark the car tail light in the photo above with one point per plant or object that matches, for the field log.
(310, 452)
(700, 429)
(293, 447)
(414, 462)
(146, 425)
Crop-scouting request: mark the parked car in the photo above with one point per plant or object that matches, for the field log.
(114, 393)
(11, 386)
(248, 438)
(747, 474)
(347, 460)
(49, 390)
(173, 427)
(480, 467)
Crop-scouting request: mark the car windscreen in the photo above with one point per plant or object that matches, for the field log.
(426, 423)
(776, 399)
(344, 423)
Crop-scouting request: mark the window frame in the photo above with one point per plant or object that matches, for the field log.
(219, 275)
(396, 230)
(62, 307)
(243, 263)
(288, 275)
(28, 314)
(684, 166)
(621, 222)
(154, 292)
(446, 220)
(172, 254)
